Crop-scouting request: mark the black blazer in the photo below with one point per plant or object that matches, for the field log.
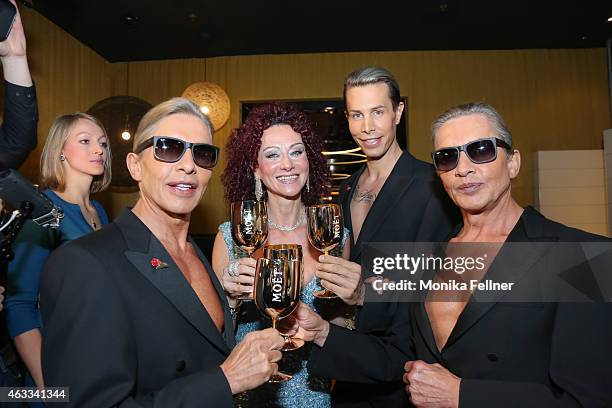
(412, 206)
(120, 332)
(18, 130)
(507, 354)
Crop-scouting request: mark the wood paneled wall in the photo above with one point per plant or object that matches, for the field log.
(69, 76)
(551, 99)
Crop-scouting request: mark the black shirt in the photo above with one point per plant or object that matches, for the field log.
(18, 129)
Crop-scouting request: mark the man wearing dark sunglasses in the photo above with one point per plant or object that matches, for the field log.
(479, 151)
(503, 353)
(491, 353)
(171, 150)
(134, 313)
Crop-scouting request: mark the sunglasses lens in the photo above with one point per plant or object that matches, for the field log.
(446, 159)
(481, 151)
(169, 150)
(205, 155)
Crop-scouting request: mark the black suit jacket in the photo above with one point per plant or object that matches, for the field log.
(507, 354)
(18, 130)
(411, 206)
(120, 332)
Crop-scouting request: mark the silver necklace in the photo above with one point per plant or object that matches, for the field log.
(299, 222)
(88, 217)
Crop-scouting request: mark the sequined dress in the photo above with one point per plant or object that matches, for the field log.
(303, 390)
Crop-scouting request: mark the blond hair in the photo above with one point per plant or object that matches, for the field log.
(373, 75)
(52, 174)
(170, 107)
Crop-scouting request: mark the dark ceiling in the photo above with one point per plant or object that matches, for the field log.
(133, 30)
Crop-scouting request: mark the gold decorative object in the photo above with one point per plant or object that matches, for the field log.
(212, 100)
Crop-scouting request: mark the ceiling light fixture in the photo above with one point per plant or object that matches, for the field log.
(212, 100)
(609, 19)
(129, 19)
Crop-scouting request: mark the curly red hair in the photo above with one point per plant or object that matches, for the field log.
(244, 144)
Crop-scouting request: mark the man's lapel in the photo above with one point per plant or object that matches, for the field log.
(512, 263)
(228, 330)
(143, 248)
(392, 191)
(425, 331)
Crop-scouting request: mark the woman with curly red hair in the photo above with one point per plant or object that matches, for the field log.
(277, 154)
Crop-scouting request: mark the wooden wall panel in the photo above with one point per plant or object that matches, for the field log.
(551, 99)
(69, 76)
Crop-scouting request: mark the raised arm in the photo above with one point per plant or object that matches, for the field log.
(18, 131)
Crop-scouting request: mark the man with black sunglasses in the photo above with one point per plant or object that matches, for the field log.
(478, 151)
(507, 353)
(171, 150)
(547, 344)
(134, 314)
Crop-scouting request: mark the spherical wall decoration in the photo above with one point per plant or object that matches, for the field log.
(212, 100)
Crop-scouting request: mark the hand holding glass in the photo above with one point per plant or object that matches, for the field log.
(277, 292)
(289, 252)
(249, 224)
(325, 229)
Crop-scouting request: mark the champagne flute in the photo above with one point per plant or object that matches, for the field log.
(249, 223)
(325, 229)
(277, 292)
(289, 252)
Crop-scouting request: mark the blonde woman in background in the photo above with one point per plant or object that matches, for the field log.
(75, 163)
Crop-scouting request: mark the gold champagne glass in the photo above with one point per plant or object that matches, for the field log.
(289, 252)
(249, 223)
(325, 229)
(278, 283)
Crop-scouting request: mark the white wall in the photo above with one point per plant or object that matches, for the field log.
(570, 188)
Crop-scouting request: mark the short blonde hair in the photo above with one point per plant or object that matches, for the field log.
(51, 169)
(170, 107)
